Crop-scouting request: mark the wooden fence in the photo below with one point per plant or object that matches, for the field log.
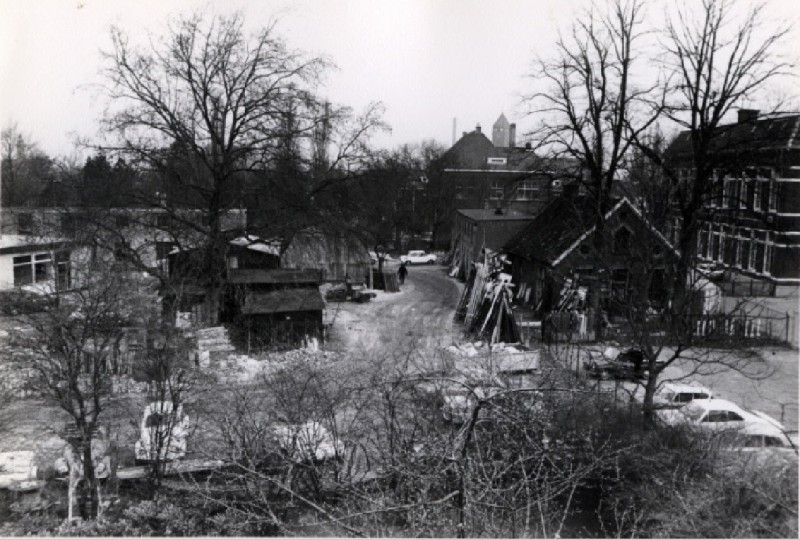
(743, 327)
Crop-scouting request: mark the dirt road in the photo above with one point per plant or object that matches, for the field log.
(418, 318)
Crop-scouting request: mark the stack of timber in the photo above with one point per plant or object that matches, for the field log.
(466, 295)
(486, 304)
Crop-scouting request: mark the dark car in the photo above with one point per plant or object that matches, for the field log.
(628, 364)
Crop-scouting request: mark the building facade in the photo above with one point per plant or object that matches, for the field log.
(750, 221)
(486, 175)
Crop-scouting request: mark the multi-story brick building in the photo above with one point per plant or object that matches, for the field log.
(497, 173)
(751, 218)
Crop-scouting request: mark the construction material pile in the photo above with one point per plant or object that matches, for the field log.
(485, 305)
(493, 359)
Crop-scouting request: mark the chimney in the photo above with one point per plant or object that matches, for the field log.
(512, 136)
(747, 115)
(478, 128)
(528, 146)
(463, 133)
(454, 131)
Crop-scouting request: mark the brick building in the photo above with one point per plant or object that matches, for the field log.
(751, 218)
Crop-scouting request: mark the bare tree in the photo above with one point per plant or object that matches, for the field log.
(65, 340)
(593, 107)
(26, 169)
(215, 112)
(715, 59)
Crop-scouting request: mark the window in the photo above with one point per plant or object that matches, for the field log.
(730, 247)
(768, 254)
(716, 416)
(741, 192)
(737, 261)
(714, 245)
(24, 223)
(496, 190)
(772, 441)
(756, 195)
(773, 196)
(744, 250)
(23, 271)
(727, 193)
(526, 190)
(31, 268)
(751, 263)
(63, 271)
(622, 240)
(760, 253)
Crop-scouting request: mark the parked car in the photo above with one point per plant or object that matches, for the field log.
(613, 364)
(674, 395)
(715, 414)
(758, 444)
(163, 432)
(418, 257)
(308, 442)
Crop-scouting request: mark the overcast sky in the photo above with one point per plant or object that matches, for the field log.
(428, 61)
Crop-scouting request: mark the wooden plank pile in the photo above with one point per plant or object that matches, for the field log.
(486, 304)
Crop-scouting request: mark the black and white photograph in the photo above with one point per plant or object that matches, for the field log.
(399, 268)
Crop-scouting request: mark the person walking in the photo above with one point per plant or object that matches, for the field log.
(402, 272)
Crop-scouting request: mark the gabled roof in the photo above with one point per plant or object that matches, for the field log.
(470, 154)
(777, 133)
(562, 226)
(559, 225)
(283, 301)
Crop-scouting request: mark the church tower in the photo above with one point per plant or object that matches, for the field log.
(500, 135)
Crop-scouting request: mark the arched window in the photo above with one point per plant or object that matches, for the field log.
(622, 240)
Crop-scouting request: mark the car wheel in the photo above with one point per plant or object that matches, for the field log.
(430, 262)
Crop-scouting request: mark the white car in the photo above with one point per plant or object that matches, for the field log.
(758, 444)
(308, 442)
(674, 396)
(714, 414)
(418, 257)
(163, 433)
